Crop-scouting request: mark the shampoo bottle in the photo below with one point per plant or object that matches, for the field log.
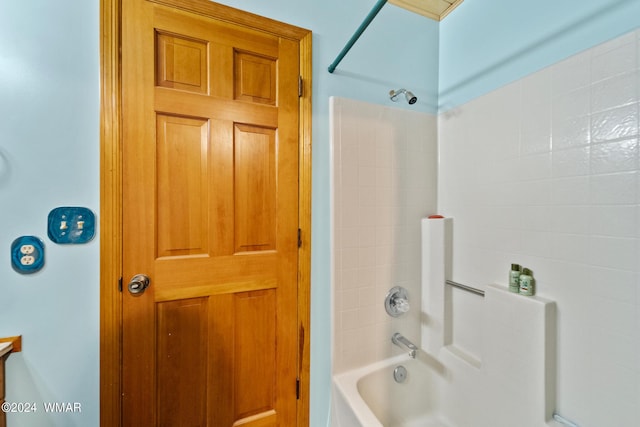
(526, 282)
(514, 278)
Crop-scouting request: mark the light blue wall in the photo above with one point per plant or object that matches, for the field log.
(49, 157)
(486, 44)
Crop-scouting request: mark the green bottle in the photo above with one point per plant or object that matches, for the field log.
(514, 278)
(526, 282)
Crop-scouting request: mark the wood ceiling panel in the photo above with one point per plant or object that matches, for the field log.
(434, 9)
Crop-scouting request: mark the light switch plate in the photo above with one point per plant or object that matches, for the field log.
(27, 254)
(71, 225)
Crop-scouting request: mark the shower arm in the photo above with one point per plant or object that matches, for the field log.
(367, 20)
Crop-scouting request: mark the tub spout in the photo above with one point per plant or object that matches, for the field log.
(399, 340)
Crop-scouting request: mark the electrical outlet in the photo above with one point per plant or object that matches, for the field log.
(71, 225)
(27, 260)
(27, 249)
(27, 254)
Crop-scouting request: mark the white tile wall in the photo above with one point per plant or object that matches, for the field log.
(545, 172)
(384, 181)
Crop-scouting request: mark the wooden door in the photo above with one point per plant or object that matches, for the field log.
(210, 214)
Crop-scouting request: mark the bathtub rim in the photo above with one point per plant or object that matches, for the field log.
(345, 384)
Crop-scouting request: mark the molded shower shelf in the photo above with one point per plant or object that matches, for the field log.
(508, 341)
(520, 348)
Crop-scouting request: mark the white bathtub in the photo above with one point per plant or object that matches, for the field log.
(370, 397)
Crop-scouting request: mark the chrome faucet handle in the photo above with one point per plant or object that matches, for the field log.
(397, 301)
(401, 304)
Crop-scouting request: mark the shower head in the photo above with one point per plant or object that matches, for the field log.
(409, 96)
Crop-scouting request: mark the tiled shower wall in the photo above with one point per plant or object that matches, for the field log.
(384, 181)
(545, 172)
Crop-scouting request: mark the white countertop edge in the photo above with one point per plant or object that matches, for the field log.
(5, 348)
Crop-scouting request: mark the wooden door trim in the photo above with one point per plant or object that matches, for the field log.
(304, 221)
(111, 194)
(110, 214)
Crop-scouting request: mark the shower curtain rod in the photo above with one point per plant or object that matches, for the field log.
(357, 34)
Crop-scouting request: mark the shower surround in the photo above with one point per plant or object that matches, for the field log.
(545, 172)
(384, 182)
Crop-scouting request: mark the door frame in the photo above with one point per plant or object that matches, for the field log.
(111, 194)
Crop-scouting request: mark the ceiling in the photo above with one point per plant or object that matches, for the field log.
(434, 9)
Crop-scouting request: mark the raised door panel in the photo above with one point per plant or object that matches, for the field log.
(182, 353)
(182, 165)
(182, 63)
(255, 188)
(243, 366)
(255, 78)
